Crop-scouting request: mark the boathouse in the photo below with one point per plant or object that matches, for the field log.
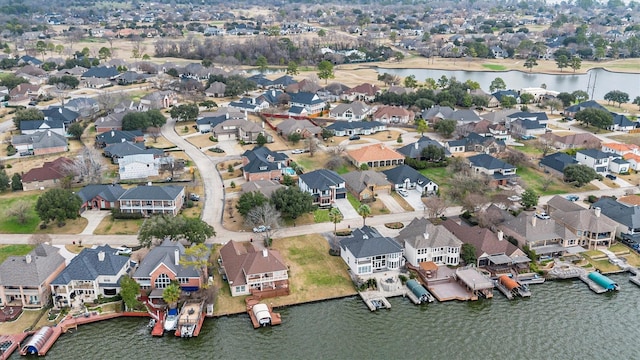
(37, 341)
(603, 281)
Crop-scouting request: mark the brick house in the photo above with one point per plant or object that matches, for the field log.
(264, 164)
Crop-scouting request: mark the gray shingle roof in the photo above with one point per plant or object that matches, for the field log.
(128, 148)
(87, 265)
(60, 114)
(595, 153)
(41, 124)
(414, 150)
(41, 140)
(367, 242)
(558, 161)
(359, 180)
(107, 192)
(488, 162)
(116, 136)
(22, 271)
(628, 216)
(422, 234)
(258, 159)
(169, 192)
(321, 179)
(164, 254)
(398, 174)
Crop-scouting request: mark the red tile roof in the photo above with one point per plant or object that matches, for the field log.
(375, 152)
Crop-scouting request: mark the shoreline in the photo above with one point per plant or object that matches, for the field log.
(585, 72)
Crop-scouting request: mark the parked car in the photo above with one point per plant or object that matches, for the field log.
(611, 176)
(572, 197)
(297, 151)
(123, 250)
(543, 216)
(194, 197)
(514, 198)
(354, 137)
(261, 228)
(402, 192)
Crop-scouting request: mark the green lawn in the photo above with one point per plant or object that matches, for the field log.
(439, 175)
(345, 169)
(528, 149)
(9, 225)
(321, 215)
(353, 201)
(534, 179)
(494, 67)
(14, 250)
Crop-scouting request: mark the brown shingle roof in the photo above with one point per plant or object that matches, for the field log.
(241, 260)
(50, 170)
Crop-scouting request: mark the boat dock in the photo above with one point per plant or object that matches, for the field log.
(374, 300)
(158, 327)
(190, 319)
(10, 343)
(530, 279)
(635, 275)
(261, 314)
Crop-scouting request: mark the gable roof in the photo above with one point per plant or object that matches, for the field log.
(244, 259)
(32, 269)
(533, 229)
(578, 139)
(437, 111)
(87, 265)
(366, 88)
(558, 161)
(290, 125)
(101, 72)
(259, 158)
(367, 242)
(594, 153)
(306, 98)
(60, 114)
(265, 187)
(168, 192)
(357, 108)
(128, 148)
(109, 192)
(590, 104)
(26, 125)
(464, 115)
(41, 140)
(322, 179)
(626, 215)
(540, 116)
(414, 150)
(164, 254)
(422, 234)
(483, 240)
(398, 174)
(118, 136)
(489, 162)
(374, 153)
(50, 170)
(360, 180)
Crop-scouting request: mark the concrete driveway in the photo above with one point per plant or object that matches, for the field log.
(390, 203)
(415, 200)
(95, 217)
(348, 212)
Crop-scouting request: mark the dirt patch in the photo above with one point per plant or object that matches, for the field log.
(110, 226)
(72, 226)
(202, 141)
(160, 143)
(233, 220)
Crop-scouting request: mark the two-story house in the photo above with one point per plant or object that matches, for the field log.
(366, 251)
(407, 178)
(355, 111)
(546, 237)
(24, 280)
(393, 115)
(92, 273)
(324, 185)
(627, 217)
(595, 159)
(499, 171)
(135, 161)
(425, 242)
(249, 270)
(264, 164)
(166, 263)
(310, 102)
(149, 200)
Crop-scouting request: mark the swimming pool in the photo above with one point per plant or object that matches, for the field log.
(289, 171)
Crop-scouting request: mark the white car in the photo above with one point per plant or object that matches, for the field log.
(297, 151)
(402, 192)
(261, 229)
(514, 198)
(543, 216)
(123, 250)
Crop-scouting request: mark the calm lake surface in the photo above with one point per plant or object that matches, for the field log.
(562, 320)
(605, 81)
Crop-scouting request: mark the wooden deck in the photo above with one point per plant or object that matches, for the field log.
(15, 341)
(192, 314)
(276, 319)
(158, 327)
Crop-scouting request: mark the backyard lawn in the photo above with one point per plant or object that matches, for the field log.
(313, 275)
(14, 250)
(439, 175)
(9, 225)
(534, 179)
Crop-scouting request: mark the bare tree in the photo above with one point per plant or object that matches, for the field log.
(88, 165)
(516, 158)
(312, 143)
(108, 100)
(473, 202)
(19, 211)
(546, 182)
(435, 206)
(161, 81)
(264, 215)
(487, 219)
(544, 146)
(73, 36)
(154, 133)
(37, 239)
(230, 209)
(335, 162)
(337, 150)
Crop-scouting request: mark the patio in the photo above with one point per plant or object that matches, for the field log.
(10, 313)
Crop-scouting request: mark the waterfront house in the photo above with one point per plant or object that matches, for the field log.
(40, 143)
(25, 280)
(592, 228)
(48, 175)
(556, 163)
(589, 104)
(393, 115)
(251, 271)
(164, 264)
(493, 251)
(595, 159)
(100, 197)
(366, 251)
(547, 237)
(356, 110)
(365, 185)
(423, 242)
(325, 186)
(627, 217)
(499, 171)
(437, 113)
(30, 127)
(362, 92)
(264, 164)
(407, 178)
(414, 151)
(348, 128)
(310, 102)
(91, 274)
(149, 200)
(377, 155)
(118, 136)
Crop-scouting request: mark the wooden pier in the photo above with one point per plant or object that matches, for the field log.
(374, 300)
(276, 319)
(158, 327)
(10, 343)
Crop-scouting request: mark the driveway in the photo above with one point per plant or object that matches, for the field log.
(348, 212)
(599, 184)
(95, 217)
(390, 203)
(415, 200)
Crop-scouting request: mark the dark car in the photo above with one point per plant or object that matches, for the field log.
(354, 137)
(611, 176)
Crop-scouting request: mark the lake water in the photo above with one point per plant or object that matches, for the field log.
(562, 320)
(605, 81)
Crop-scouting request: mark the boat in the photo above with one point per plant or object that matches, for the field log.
(190, 320)
(261, 315)
(152, 323)
(171, 321)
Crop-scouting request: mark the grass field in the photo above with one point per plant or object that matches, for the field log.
(313, 275)
(534, 179)
(111, 226)
(439, 175)
(494, 67)
(14, 250)
(9, 225)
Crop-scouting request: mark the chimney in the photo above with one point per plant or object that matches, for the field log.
(101, 256)
(60, 110)
(597, 211)
(27, 258)
(265, 253)
(415, 145)
(48, 132)
(533, 220)
(113, 133)
(176, 254)
(426, 236)
(500, 235)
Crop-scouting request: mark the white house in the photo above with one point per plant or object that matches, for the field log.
(424, 242)
(366, 252)
(595, 159)
(619, 166)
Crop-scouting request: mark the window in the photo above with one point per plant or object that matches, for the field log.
(162, 281)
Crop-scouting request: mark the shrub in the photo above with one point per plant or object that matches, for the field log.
(120, 215)
(232, 184)
(394, 225)
(343, 233)
(11, 150)
(213, 138)
(403, 279)
(9, 166)
(592, 198)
